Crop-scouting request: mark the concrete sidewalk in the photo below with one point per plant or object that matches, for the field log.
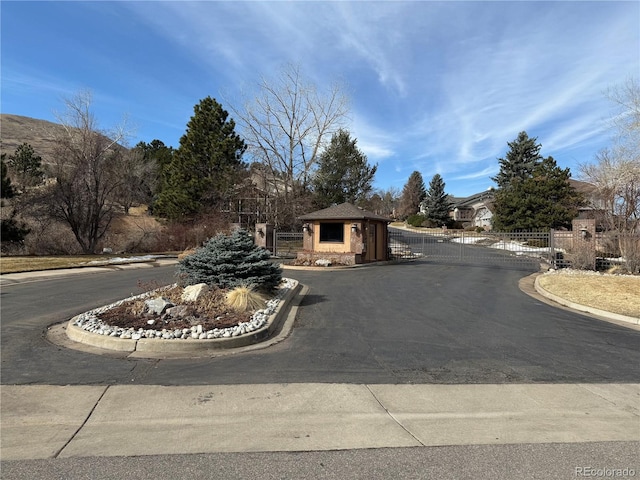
(43, 421)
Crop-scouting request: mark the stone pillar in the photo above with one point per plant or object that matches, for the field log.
(583, 251)
(307, 236)
(584, 229)
(264, 236)
(356, 237)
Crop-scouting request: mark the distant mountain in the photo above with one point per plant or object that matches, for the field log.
(40, 134)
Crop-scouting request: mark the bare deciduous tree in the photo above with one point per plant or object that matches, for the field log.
(285, 128)
(138, 179)
(87, 172)
(615, 173)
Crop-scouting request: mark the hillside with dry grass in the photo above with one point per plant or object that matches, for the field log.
(134, 232)
(40, 134)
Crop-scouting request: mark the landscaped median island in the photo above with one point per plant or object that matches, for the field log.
(165, 320)
(228, 294)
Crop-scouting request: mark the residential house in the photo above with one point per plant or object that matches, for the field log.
(475, 210)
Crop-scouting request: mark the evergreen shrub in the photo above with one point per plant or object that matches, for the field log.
(416, 220)
(229, 261)
(430, 223)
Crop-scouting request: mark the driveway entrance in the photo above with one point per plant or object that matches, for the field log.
(524, 250)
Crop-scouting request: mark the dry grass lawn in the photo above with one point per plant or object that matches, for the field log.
(612, 293)
(32, 264)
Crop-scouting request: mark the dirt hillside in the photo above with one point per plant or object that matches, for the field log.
(40, 134)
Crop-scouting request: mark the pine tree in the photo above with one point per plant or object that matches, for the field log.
(11, 231)
(437, 202)
(343, 173)
(229, 261)
(6, 190)
(412, 194)
(519, 162)
(203, 170)
(544, 200)
(159, 155)
(26, 165)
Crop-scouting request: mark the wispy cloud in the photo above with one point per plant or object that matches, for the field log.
(484, 173)
(438, 87)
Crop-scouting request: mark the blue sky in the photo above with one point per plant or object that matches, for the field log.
(437, 87)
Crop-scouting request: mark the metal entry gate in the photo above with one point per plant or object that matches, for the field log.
(287, 244)
(526, 249)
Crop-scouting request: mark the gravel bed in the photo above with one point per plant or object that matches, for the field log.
(90, 322)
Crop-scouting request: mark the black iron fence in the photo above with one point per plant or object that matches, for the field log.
(464, 246)
(557, 248)
(287, 244)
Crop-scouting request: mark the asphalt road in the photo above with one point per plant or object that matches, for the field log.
(442, 247)
(416, 322)
(464, 462)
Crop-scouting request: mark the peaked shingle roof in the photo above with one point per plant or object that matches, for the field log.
(344, 211)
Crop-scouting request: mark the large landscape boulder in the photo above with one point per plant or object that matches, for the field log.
(158, 305)
(191, 293)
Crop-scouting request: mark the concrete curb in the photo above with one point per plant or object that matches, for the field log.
(583, 308)
(153, 347)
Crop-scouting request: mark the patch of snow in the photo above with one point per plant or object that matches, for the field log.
(116, 260)
(517, 247)
(467, 239)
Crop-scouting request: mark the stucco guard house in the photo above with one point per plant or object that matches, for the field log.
(344, 234)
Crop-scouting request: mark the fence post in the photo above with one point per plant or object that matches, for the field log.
(552, 247)
(275, 242)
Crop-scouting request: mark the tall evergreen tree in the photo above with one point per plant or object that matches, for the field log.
(412, 194)
(26, 165)
(6, 190)
(519, 162)
(544, 200)
(437, 202)
(204, 167)
(343, 173)
(158, 154)
(11, 231)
